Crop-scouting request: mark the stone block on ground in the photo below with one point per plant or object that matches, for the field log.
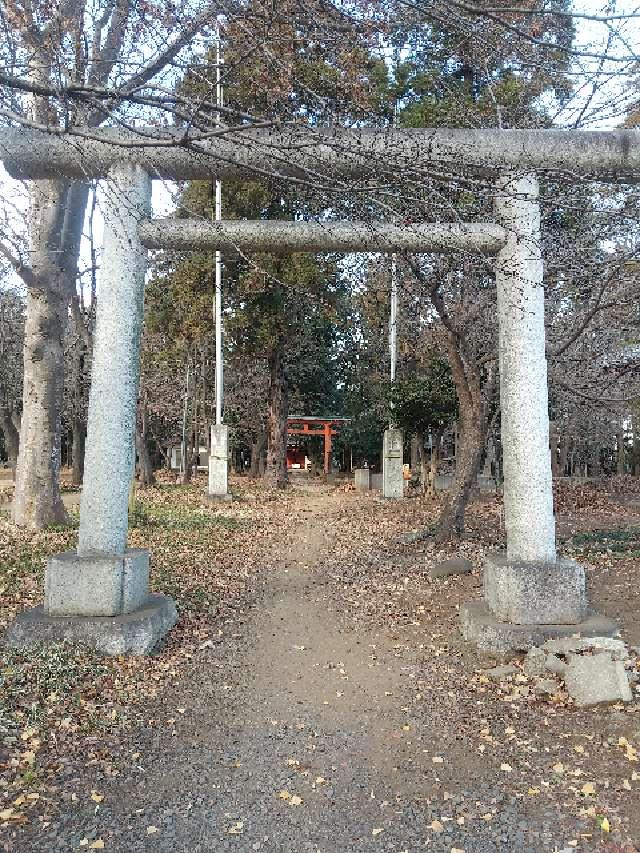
(454, 566)
(498, 673)
(362, 479)
(540, 662)
(596, 680)
(96, 584)
(414, 536)
(615, 647)
(545, 687)
(489, 634)
(136, 633)
(535, 593)
(535, 662)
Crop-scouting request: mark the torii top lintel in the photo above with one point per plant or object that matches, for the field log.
(306, 153)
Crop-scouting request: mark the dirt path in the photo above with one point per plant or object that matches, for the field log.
(297, 733)
(290, 712)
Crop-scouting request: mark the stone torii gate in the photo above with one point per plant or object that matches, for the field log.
(100, 593)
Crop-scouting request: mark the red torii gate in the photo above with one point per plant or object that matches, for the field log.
(312, 426)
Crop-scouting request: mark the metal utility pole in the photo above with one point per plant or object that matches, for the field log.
(393, 317)
(218, 217)
(218, 487)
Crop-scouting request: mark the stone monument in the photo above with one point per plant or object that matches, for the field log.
(392, 470)
(218, 489)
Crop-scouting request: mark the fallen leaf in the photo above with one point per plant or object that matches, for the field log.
(96, 797)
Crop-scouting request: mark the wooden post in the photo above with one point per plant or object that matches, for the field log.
(327, 447)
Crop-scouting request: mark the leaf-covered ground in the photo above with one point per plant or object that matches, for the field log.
(315, 660)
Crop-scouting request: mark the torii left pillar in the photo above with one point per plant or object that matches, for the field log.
(99, 593)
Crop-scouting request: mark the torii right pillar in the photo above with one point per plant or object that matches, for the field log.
(530, 595)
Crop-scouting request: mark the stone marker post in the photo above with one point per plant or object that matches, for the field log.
(529, 593)
(218, 489)
(104, 578)
(362, 479)
(392, 471)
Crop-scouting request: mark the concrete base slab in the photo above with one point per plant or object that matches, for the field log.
(134, 633)
(489, 634)
(535, 593)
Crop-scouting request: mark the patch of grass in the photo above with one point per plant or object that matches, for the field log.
(618, 542)
(179, 518)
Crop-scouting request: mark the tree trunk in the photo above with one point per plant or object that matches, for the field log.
(415, 453)
(37, 501)
(471, 439)
(11, 437)
(621, 466)
(277, 413)
(57, 209)
(430, 477)
(257, 449)
(79, 435)
(146, 477)
(565, 445)
(420, 467)
(553, 446)
(193, 443)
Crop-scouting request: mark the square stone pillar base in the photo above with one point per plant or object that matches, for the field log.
(99, 600)
(362, 479)
(526, 604)
(218, 489)
(392, 470)
(96, 584)
(532, 593)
